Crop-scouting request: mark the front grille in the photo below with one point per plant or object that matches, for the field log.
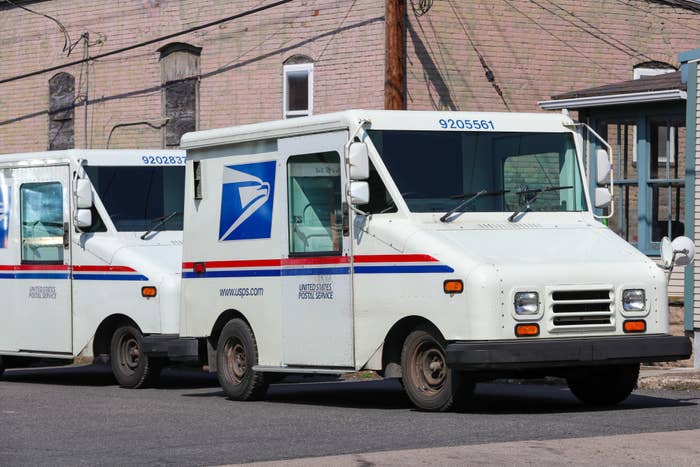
(581, 308)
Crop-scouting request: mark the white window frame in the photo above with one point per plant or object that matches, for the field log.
(299, 69)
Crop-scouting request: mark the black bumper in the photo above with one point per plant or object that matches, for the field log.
(557, 352)
(175, 348)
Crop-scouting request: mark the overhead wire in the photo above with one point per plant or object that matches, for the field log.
(631, 52)
(490, 77)
(68, 45)
(665, 18)
(145, 43)
(548, 31)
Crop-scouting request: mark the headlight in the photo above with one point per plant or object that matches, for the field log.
(527, 303)
(633, 300)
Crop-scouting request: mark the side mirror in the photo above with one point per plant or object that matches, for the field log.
(603, 167)
(603, 197)
(358, 156)
(679, 252)
(83, 194)
(359, 192)
(83, 218)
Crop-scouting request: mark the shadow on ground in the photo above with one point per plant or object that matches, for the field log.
(489, 398)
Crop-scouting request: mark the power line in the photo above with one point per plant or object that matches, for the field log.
(148, 42)
(634, 54)
(666, 18)
(574, 49)
(487, 70)
(67, 43)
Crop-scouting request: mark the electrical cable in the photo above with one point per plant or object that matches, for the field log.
(67, 43)
(573, 49)
(665, 18)
(487, 70)
(635, 53)
(145, 43)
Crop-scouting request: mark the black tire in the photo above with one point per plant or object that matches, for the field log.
(2, 367)
(605, 385)
(236, 354)
(428, 381)
(131, 367)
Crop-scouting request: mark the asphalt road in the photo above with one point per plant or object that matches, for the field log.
(77, 416)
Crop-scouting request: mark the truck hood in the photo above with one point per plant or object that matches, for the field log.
(540, 246)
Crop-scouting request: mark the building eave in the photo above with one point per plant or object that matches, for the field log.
(614, 99)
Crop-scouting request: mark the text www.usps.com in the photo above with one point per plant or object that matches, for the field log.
(242, 292)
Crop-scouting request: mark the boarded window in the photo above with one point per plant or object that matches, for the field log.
(179, 67)
(61, 111)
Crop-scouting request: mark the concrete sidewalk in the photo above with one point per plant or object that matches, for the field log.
(674, 378)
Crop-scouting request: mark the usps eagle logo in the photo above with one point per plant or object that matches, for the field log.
(247, 195)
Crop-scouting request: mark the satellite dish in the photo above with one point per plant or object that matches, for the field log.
(666, 253)
(684, 250)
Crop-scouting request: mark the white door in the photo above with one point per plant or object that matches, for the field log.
(41, 286)
(317, 307)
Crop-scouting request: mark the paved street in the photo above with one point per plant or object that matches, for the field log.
(77, 416)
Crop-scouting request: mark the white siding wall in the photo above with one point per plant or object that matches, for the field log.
(696, 279)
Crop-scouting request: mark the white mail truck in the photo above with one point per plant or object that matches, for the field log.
(439, 248)
(90, 255)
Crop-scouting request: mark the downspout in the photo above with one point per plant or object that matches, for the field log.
(395, 56)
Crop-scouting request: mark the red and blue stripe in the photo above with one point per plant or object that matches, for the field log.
(62, 271)
(331, 265)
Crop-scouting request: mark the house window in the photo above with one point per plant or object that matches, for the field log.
(179, 71)
(61, 111)
(298, 87)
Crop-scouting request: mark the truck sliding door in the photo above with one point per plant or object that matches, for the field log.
(317, 309)
(41, 314)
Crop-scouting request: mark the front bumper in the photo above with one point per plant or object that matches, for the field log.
(564, 353)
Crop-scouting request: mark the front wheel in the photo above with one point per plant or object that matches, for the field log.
(605, 385)
(236, 355)
(429, 382)
(131, 367)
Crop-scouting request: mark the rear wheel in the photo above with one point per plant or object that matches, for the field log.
(606, 385)
(236, 355)
(429, 382)
(131, 367)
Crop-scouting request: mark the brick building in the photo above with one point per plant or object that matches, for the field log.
(317, 55)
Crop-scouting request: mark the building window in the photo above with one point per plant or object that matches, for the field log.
(179, 71)
(298, 87)
(61, 111)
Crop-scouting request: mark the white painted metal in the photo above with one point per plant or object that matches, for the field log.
(101, 273)
(615, 99)
(398, 261)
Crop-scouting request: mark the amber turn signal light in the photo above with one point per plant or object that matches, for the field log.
(634, 325)
(148, 291)
(529, 329)
(453, 286)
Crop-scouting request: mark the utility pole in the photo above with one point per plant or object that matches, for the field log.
(86, 63)
(394, 68)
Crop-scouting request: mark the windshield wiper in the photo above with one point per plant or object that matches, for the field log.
(472, 197)
(159, 221)
(527, 197)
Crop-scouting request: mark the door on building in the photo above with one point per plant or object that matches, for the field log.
(317, 303)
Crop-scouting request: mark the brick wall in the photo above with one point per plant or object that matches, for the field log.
(241, 64)
(535, 49)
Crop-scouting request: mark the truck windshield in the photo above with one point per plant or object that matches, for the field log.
(137, 197)
(436, 171)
